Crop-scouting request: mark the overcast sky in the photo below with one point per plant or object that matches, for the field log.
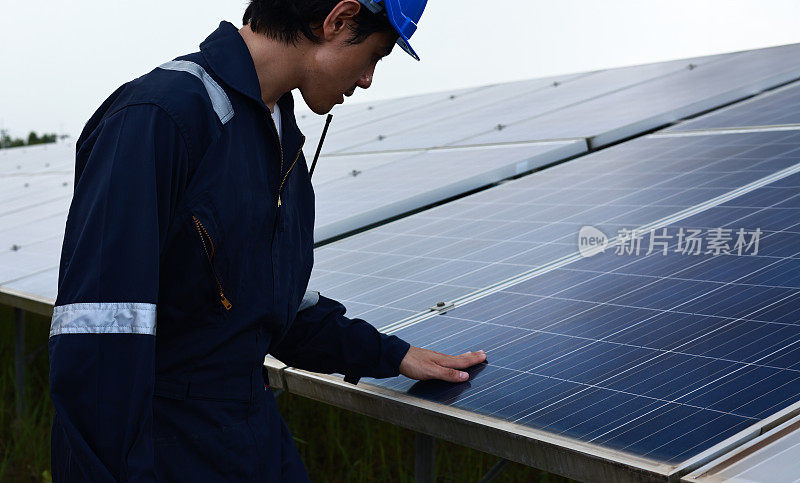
(61, 58)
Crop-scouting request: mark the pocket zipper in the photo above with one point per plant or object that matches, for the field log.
(203, 236)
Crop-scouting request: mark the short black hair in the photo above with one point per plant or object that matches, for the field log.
(286, 20)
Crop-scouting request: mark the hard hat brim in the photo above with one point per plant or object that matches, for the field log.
(403, 43)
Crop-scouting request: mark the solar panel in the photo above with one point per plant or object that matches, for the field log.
(351, 114)
(41, 285)
(399, 269)
(504, 105)
(37, 159)
(774, 108)
(379, 187)
(336, 168)
(660, 355)
(366, 122)
(36, 184)
(652, 104)
(25, 248)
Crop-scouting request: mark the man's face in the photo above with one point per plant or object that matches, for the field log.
(337, 68)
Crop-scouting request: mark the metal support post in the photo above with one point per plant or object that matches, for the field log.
(424, 458)
(20, 361)
(495, 471)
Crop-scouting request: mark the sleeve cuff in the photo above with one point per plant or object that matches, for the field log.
(393, 350)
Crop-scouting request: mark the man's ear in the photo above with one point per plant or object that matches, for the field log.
(336, 22)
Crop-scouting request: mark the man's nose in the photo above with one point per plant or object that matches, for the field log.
(366, 79)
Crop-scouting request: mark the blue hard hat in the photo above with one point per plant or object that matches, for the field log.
(404, 16)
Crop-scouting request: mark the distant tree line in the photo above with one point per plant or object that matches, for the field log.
(7, 141)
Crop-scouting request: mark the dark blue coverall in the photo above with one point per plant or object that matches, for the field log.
(189, 211)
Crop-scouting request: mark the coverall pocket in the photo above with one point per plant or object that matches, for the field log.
(210, 243)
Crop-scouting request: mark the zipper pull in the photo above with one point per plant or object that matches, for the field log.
(225, 302)
(278, 214)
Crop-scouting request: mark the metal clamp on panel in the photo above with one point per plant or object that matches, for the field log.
(442, 307)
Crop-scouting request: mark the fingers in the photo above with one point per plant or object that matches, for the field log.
(450, 375)
(463, 361)
(448, 366)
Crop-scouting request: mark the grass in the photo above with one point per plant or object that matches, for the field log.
(365, 449)
(25, 442)
(336, 445)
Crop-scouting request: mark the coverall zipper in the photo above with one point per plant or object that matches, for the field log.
(280, 171)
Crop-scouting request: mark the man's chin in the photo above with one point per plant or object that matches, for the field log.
(320, 109)
(317, 106)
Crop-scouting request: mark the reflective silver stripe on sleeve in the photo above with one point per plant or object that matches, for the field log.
(310, 299)
(104, 318)
(222, 105)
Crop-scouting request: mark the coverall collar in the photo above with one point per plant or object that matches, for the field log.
(229, 58)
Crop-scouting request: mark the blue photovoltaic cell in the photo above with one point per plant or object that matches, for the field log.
(660, 356)
(775, 108)
(402, 268)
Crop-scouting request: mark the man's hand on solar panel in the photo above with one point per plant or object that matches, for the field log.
(423, 364)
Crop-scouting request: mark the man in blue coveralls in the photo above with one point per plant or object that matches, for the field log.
(193, 207)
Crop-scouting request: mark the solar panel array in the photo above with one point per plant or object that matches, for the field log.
(661, 356)
(399, 269)
(608, 105)
(661, 347)
(383, 147)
